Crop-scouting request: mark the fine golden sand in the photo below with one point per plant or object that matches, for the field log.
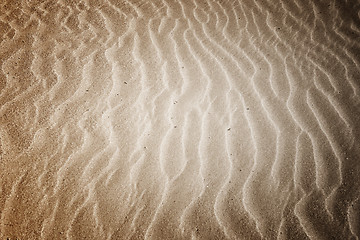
(180, 119)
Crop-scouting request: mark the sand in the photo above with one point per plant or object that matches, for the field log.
(179, 119)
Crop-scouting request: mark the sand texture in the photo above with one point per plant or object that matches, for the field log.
(180, 119)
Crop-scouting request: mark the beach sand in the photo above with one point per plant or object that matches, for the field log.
(179, 119)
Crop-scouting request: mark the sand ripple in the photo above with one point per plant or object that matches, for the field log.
(179, 119)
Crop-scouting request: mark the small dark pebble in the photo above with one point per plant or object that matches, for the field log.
(228, 129)
(125, 82)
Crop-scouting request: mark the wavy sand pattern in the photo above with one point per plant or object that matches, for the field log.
(175, 119)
